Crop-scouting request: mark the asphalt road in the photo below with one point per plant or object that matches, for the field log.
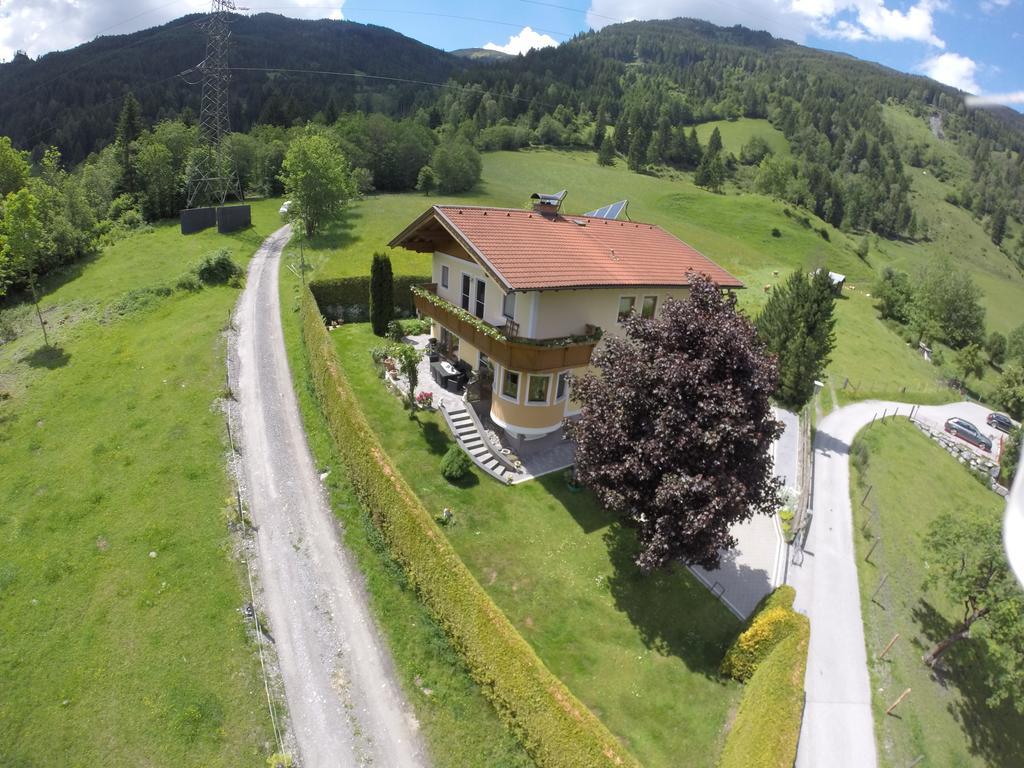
(838, 729)
(345, 706)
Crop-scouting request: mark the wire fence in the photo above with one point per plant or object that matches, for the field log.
(244, 528)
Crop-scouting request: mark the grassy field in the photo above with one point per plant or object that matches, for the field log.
(121, 640)
(460, 726)
(912, 482)
(734, 230)
(736, 133)
(642, 652)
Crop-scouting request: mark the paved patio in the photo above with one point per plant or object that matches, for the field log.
(755, 567)
(539, 457)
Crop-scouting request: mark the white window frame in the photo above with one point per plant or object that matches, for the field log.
(547, 389)
(654, 310)
(501, 387)
(504, 305)
(444, 275)
(619, 317)
(565, 395)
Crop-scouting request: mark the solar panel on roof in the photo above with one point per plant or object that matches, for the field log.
(610, 211)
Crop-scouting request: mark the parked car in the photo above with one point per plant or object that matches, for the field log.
(1000, 421)
(968, 433)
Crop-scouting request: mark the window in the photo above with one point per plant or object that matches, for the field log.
(444, 275)
(481, 288)
(510, 385)
(467, 282)
(537, 389)
(626, 304)
(562, 388)
(648, 307)
(508, 306)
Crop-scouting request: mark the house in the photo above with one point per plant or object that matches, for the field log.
(523, 296)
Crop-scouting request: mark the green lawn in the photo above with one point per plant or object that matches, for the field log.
(641, 651)
(121, 640)
(912, 482)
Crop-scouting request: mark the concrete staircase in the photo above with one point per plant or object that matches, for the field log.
(470, 438)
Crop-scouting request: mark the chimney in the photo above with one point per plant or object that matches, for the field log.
(548, 204)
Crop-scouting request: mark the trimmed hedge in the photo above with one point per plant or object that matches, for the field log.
(554, 727)
(767, 726)
(772, 621)
(348, 298)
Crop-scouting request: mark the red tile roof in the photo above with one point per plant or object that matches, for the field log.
(530, 251)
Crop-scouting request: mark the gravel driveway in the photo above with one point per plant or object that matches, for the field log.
(345, 706)
(838, 726)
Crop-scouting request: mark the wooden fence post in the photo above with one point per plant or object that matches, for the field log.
(889, 646)
(896, 703)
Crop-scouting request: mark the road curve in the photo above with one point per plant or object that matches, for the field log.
(838, 726)
(345, 706)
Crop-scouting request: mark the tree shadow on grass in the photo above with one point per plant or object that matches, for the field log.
(46, 356)
(582, 505)
(673, 612)
(437, 441)
(994, 733)
(336, 234)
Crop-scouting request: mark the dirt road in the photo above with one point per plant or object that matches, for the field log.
(838, 727)
(345, 706)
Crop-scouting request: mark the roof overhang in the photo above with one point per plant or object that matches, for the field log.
(425, 233)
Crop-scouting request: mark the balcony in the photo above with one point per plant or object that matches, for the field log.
(500, 343)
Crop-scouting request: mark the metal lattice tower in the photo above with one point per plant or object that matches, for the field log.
(214, 178)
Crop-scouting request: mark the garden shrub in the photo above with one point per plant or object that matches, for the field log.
(217, 268)
(766, 729)
(555, 728)
(395, 331)
(455, 464)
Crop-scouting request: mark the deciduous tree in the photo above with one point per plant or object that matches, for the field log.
(457, 166)
(675, 429)
(13, 168)
(318, 180)
(23, 241)
(968, 563)
(995, 346)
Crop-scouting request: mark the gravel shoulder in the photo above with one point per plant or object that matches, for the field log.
(345, 706)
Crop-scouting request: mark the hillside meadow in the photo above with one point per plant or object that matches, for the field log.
(734, 229)
(121, 636)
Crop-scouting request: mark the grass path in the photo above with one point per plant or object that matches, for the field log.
(121, 640)
(913, 481)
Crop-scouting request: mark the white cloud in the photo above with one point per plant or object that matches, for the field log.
(794, 19)
(40, 26)
(522, 42)
(991, 6)
(953, 69)
(995, 99)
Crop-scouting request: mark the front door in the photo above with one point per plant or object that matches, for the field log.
(485, 377)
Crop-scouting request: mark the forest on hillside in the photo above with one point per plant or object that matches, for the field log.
(121, 138)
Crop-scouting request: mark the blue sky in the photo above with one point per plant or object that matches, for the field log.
(975, 45)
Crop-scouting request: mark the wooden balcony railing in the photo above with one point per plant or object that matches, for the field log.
(500, 343)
